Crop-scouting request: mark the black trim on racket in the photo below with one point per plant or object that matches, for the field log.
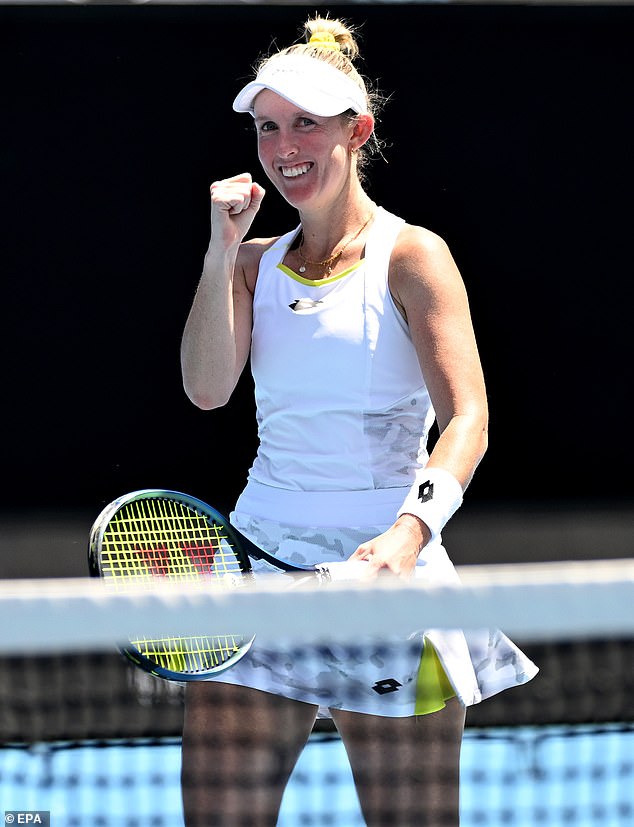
(156, 533)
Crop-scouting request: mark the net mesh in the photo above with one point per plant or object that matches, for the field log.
(86, 738)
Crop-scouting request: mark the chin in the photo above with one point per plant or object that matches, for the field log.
(297, 196)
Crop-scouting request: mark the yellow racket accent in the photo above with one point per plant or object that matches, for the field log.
(189, 654)
(153, 536)
(163, 538)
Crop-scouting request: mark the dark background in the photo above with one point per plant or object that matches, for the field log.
(510, 132)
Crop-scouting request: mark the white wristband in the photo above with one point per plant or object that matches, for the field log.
(433, 498)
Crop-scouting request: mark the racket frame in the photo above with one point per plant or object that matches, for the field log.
(243, 548)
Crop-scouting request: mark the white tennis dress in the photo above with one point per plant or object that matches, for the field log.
(343, 417)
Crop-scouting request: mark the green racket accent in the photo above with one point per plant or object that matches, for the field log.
(164, 538)
(185, 656)
(163, 534)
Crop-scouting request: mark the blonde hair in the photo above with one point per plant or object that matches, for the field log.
(334, 41)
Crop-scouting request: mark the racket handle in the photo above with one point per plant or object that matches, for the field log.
(344, 570)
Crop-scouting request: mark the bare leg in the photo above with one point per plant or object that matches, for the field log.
(239, 748)
(406, 770)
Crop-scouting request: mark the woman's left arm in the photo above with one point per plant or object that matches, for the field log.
(429, 292)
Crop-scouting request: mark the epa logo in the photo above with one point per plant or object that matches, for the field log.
(41, 817)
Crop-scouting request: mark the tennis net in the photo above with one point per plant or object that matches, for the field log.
(86, 738)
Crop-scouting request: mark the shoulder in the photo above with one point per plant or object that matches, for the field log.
(249, 256)
(421, 263)
(417, 246)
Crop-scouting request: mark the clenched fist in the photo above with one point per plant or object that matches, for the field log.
(234, 204)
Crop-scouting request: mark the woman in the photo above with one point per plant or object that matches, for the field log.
(359, 333)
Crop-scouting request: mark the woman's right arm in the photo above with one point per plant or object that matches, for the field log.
(217, 335)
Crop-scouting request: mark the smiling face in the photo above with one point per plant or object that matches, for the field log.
(307, 157)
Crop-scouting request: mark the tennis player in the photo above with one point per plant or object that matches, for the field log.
(359, 333)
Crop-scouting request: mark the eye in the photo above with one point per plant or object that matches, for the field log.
(266, 126)
(305, 121)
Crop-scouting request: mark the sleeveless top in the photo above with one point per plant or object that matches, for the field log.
(342, 405)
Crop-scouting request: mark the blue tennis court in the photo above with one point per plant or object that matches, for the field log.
(557, 776)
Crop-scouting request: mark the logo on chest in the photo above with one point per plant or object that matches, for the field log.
(304, 304)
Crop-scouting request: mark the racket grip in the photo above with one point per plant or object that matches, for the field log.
(344, 570)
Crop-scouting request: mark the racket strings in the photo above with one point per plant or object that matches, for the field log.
(189, 655)
(161, 537)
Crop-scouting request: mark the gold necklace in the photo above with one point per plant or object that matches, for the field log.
(328, 263)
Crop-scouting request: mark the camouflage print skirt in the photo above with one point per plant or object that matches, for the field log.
(392, 678)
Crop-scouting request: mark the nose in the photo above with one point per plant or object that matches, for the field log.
(287, 144)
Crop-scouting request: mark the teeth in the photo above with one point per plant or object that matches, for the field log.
(293, 172)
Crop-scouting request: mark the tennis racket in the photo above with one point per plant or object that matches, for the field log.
(151, 534)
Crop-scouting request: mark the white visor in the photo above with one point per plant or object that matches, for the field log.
(311, 84)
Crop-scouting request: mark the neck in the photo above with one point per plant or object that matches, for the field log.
(323, 267)
(324, 231)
